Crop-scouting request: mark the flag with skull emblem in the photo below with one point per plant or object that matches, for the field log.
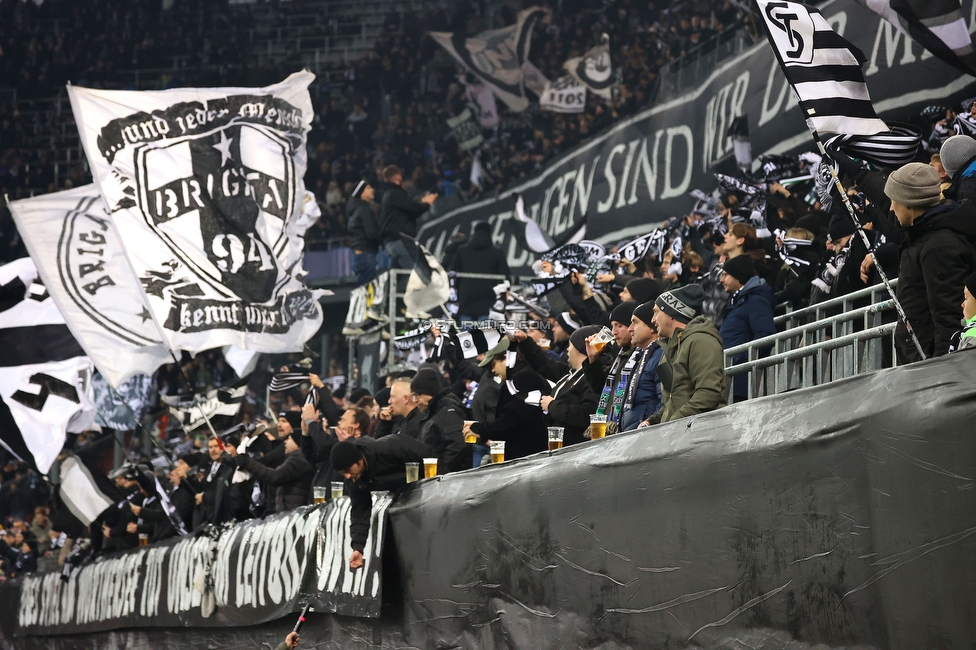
(205, 188)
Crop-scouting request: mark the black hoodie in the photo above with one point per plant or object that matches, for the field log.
(480, 255)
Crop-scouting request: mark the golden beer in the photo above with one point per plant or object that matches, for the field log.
(498, 458)
(599, 345)
(555, 444)
(413, 472)
(430, 467)
(497, 448)
(337, 490)
(555, 437)
(143, 539)
(318, 499)
(318, 494)
(598, 427)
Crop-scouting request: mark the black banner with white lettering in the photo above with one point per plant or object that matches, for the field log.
(254, 572)
(640, 171)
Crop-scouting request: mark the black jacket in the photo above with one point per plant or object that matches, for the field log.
(963, 183)
(399, 213)
(938, 253)
(475, 297)
(411, 425)
(216, 507)
(364, 226)
(385, 470)
(522, 426)
(443, 432)
(317, 448)
(293, 479)
(19, 562)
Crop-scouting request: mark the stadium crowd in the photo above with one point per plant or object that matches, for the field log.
(665, 319)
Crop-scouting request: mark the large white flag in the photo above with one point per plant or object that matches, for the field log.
(205, 188)
(79, 256)
(45, 377)
(496, 56)
(593, 68)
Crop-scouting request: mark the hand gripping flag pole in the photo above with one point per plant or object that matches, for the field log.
(824, 71)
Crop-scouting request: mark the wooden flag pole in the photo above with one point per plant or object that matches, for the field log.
(867, 244)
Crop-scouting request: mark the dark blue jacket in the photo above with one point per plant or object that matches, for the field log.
(647, 399)
(748, 317)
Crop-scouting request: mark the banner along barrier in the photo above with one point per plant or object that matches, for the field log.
(640, 172)
(842, 515)
(254, 572)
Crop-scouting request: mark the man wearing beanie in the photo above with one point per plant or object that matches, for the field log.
(370, 466)
(958, 156)
(692, 371)
(563, 325)
(938, 254)
(571, 402)
(749, 315)
(966, 338)
(291, 480)
(442, 430)
(641, 290)
(601, 376)
(364, 227)
(641, 396)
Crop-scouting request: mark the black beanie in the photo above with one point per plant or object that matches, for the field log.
(645, 312)
(682, 304)
(622, 312)
(971, 284)
(344, 455)
(740, 267)
(841, 225)
(294, 418)
(358, 192)
(427, 381)
(578, 338)
(643, 290)
(567, 322)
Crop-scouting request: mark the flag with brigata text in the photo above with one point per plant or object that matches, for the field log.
(204, 186)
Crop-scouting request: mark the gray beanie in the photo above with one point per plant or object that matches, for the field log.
(681, 304)
(956, 152)
(916, 185)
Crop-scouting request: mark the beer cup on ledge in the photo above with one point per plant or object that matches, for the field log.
(143, 539)
(337, 489)
(413, 472)
(497, 448)
(430, 467)
(598, 426)
(318, 494)
(555, 438)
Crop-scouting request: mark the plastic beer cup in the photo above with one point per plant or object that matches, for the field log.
(598, 426)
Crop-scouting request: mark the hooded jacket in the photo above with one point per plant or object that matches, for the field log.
(442, 432)
(480, 255)
(398, 212)
(363, 226)
(385, 470)
(963, 183)
(938, 253)
(748, 317)
(692, 372)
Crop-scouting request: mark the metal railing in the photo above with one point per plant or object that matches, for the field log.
(828, 341)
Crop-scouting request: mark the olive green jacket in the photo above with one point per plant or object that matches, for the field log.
(692, 372)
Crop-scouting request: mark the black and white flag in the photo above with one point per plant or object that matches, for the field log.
(170, 509)
(79, 256)
(534, 79)
(45, 377)
(428, 286)
(193, 412)
(938, 25)
(496, 56)
(531, 235)
(593, 69)
(466, 130)
(564, 95)
(891, 149)
(205, 188)
(85, 489)
(823, 68)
